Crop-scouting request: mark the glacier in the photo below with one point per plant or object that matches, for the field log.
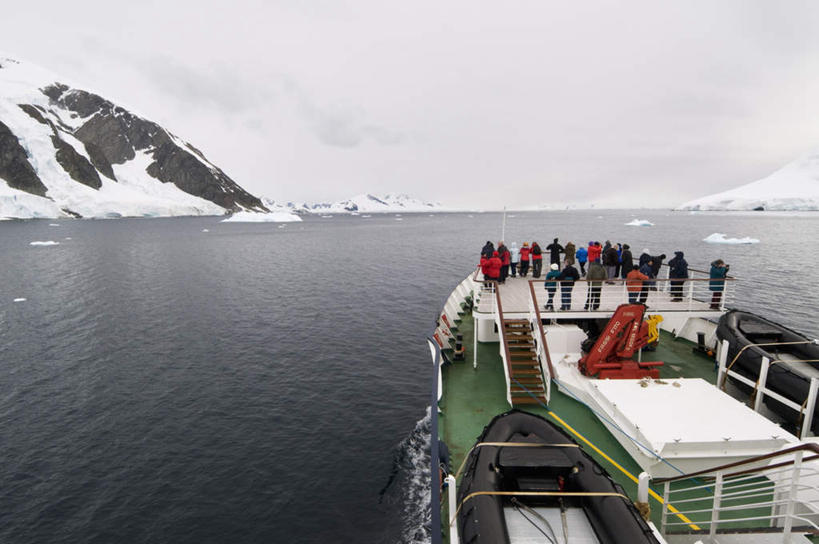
(794, 187)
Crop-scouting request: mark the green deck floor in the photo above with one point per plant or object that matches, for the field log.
(472, 397)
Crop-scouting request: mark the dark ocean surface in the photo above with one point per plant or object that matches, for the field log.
(263, 384)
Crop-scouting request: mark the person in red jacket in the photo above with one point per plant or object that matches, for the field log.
(595, 249)
(494, 267)
(506, 260)
(524, 259)
(634, 284)
(484, 267)
(537, 260)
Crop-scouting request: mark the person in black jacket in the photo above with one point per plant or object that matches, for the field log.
(656, 264)
(555, 249)
(488, 249)
(567, 277)
(627, 263)
(677, 272)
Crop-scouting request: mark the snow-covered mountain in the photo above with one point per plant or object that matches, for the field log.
(69, 152)
(367, 203)
(793, 187)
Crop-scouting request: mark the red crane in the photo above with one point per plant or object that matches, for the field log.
(624, 335)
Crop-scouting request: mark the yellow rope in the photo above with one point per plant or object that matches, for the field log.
(513, 444)
(623, 470)
(537, 494)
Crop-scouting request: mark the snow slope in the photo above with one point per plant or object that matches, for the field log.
(368, 203)
(793, 187)
(45, 127)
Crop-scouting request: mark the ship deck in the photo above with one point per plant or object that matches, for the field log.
(471, 397)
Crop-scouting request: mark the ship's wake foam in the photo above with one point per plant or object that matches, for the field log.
(408, 486)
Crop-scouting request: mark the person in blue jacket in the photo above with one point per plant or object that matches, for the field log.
(719, 271)
(582, 256)
(551, 285)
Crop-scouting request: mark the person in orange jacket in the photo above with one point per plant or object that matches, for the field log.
(634, 284)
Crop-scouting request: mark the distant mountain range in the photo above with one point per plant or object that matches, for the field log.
(365, 203)
(791, 188)
(69, 152)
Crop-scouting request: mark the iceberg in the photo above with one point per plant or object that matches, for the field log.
(639, 223)
(254, 217)
(719, 238)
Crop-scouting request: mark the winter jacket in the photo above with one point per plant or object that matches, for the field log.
(514, 253)
(484, 266)
(488, 249)
(594, 253)
(596, 273)
(555, 250)
(582, 255)
(644, 258)
(627, 259)
(503, 253)
(634, 280)
(610, 257)
(678, 266)
(646, 269)
(537, 254)
(568, 276)
(494, 266)
(552, 275)
(570, 250)
(656, 264)
(717, 275)
(524, 254)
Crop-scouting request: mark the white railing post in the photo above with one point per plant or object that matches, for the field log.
(664, 516)
(722, 357)
(791, 504)
(453, 527)
(642, 495)
(760, 387)
(712, 532)
(475, 322)
(807, 421)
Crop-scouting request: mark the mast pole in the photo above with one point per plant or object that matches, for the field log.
(503, 228)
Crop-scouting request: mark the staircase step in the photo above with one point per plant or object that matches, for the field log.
(516, 372)
(528, 400)
(530, 380)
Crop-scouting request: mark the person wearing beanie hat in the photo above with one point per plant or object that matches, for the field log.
(551, 285)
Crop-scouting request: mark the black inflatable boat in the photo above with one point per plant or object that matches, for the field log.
(552, 492)
(788, 375)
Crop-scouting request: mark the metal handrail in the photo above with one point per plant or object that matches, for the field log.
(800, 342)
(540, 328)
(501, 333)
(809, 446)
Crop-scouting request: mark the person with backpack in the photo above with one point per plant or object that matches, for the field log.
(537, 260)
(524, 259)
(677, 273)
(555, 249)
(488, 249)
(551, 285)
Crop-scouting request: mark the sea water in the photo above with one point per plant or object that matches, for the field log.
(186, 380)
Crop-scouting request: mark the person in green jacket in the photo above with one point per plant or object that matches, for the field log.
(551, 285)
(596, 276)
(719, 270)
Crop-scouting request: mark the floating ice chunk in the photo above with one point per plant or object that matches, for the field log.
(399, 218)
(45, 243)
(639, 223)
(719, 238)
(252, 217)
(53, 224)
(19, 300)
(366, 216)
(68, 237)
(205, 230)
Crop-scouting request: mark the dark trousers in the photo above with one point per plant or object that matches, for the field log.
(617, 271)
(582, 267)
(632, 297)
(716, 298)
(643, 293)
(537, 265)
(593, 297)
(513, 268)
(549, 302)
(524, 268)
(566, 297)
(676, 289)
(504, 273)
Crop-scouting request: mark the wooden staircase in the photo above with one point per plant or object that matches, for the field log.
(523, 363)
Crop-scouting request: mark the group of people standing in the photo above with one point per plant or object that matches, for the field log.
(606, 262)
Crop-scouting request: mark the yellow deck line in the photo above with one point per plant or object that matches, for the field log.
(623, 470)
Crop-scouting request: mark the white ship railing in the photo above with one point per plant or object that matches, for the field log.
(774, 493)
(504, 349)
(760, 389)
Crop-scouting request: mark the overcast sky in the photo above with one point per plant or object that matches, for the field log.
(468, 103)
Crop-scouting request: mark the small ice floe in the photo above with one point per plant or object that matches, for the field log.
(639, 223)
(719, 238)
(366, 216)
(282, 226)
(68, 237)
(53, 224)
(326, 216)
(19, 300)
(399, 218)
(44, 243)
(205, 230)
